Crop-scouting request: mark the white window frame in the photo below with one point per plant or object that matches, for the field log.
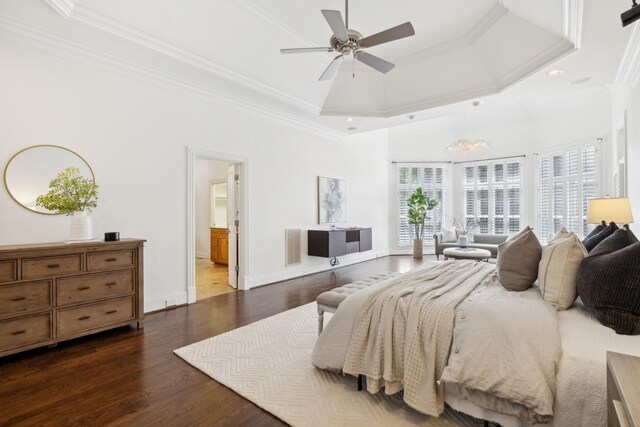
(430, 225)
(491, 186)
(550, 228)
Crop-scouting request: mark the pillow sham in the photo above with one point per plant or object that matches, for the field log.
(591, 242)
(518, 261)
(560, 234)
(514, 236)
(596, 230)
(609, 283)
(449, 236)
(558, 270)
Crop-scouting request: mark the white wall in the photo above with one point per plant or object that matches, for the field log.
(206, 173)
(628, 98)
(580, 124)
(135, 135)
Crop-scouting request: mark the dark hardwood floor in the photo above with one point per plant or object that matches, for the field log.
(132, 378)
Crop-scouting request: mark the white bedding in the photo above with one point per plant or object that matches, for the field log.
(581, 378)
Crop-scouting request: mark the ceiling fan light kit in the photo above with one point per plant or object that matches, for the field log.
(351, 44)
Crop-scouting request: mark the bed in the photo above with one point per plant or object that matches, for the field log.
(506, 357)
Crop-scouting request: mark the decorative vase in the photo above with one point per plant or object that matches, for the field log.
(463, 241)
(417, 248)
(80, 226)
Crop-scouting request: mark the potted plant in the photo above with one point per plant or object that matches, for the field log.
(73, 195)
(465, 226)
(419, 204)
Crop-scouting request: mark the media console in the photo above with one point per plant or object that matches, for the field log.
(338, 242)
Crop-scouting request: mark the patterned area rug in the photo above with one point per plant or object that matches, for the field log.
(268, 362)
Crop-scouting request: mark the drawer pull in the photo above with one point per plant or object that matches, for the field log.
(111, 259)
(18, 299)
(84, 317)
(84, 288)
(53, 266)
(18, 332)
(112, 311)
(111, 283)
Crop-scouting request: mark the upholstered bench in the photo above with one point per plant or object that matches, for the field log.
(330, 300)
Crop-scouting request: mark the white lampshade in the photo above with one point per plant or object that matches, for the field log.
(614, 209)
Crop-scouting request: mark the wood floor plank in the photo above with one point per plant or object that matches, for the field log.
(126, 376)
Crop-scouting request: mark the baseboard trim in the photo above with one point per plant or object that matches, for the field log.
(203, 255)
(160, 302)
(306, 270)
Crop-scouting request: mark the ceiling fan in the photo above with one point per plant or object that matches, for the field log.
(350, 44)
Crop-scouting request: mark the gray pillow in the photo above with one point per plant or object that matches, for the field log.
(609, 282)
(591, 242)
(518, 261)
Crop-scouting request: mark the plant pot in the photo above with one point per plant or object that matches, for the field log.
(463, 241)
(80, 227)
(417, 248)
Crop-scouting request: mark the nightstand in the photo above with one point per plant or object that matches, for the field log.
(623, 390)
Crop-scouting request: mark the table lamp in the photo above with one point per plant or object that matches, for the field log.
(609, 209)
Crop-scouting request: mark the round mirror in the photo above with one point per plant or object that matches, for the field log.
(30, 171)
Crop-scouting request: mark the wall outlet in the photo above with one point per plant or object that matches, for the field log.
(171, 302)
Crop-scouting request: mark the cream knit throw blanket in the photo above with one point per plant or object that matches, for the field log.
(403, 333)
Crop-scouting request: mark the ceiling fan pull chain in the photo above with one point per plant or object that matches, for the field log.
(353, 64)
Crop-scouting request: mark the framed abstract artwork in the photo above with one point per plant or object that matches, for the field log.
(332, 200)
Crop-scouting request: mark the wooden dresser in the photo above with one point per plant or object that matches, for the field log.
(53, 292)
(220, 245)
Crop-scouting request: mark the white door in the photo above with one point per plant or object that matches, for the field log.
(232, 221)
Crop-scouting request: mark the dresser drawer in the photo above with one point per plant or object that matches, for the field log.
(51, 266)
(91, 287)
(25, 331)
(80, 319)
(25, 297)
(109, 260)
(8, 271)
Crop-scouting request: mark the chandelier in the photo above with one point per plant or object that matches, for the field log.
(467, 146)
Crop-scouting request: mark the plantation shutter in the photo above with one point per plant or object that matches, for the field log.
(567, 180)
(432, 180)
(491, 194)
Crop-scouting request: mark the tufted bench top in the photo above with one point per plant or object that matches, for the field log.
(334, 297)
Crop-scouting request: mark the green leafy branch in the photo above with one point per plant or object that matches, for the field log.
(419, 204)
(70, 192)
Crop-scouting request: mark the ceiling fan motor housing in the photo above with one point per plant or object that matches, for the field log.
(349, 46)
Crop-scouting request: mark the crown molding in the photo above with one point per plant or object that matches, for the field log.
(487, 21)
(123, 31)
(629, 68)
(573, 10)
(63, 7)
(535, 64)
(24, 35)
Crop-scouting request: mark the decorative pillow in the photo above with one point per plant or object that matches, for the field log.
(449, 236)
(596, 230)
(560, 235)
(558, 270)
(592, 242)
(609, 283)
(518, 261)
(514, 236)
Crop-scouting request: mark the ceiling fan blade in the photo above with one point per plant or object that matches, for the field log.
(306, 50)
(335, 21)
(332, 69)
(395, 33)
(374, 62)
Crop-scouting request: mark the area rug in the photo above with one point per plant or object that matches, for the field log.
(268, 363)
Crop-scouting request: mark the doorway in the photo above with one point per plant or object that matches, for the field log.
(214, 205)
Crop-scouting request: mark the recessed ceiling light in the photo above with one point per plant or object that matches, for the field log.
(411, 117)
(476, 103)
(554, 73)
(580, 81)
(352, 128)
(349, 119)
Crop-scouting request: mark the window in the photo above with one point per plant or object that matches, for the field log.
(567, 180)
(491, 195)
(432, 180)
